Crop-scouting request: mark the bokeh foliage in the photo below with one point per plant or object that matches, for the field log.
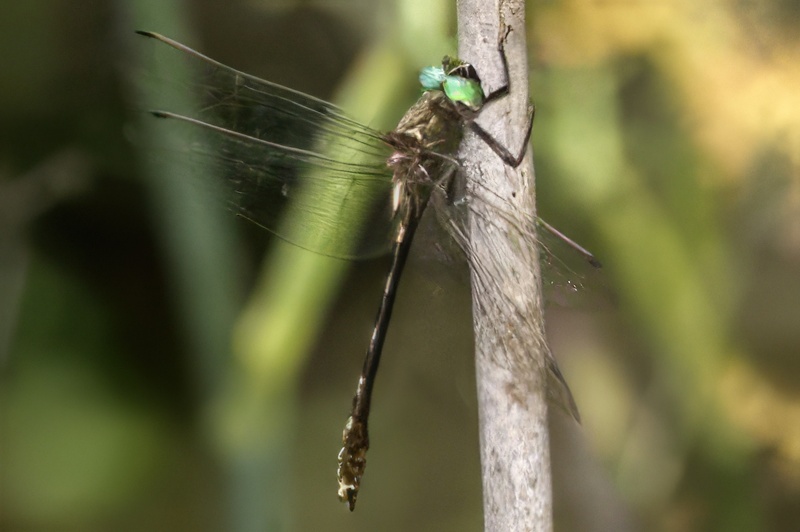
(158, 373)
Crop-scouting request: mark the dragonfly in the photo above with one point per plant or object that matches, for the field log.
(274, 145)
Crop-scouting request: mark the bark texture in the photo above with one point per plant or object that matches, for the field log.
(511, 351)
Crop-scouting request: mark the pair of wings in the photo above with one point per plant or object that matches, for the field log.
(301, 168)
(281, 152)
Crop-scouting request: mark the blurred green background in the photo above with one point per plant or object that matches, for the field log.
(166, 366)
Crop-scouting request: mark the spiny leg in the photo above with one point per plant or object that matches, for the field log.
(501, 151)
(511, 160)
(504, 90)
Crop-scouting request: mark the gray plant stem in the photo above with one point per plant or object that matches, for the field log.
(511, 351)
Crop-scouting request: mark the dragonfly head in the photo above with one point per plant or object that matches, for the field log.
(457, 79)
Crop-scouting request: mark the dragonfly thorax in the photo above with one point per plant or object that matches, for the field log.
(424, 142)
(433, 123)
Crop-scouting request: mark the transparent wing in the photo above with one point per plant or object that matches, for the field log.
(274, 148)
(562, 276)
(567, 268)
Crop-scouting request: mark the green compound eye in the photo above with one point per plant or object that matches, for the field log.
(431, 78)
(463, 90)
(457, 79)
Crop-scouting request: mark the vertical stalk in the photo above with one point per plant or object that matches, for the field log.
(511, 352)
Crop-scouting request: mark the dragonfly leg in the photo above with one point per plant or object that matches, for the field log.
(504, 90)
(503, 152)
(510, 159)
(447, 184)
